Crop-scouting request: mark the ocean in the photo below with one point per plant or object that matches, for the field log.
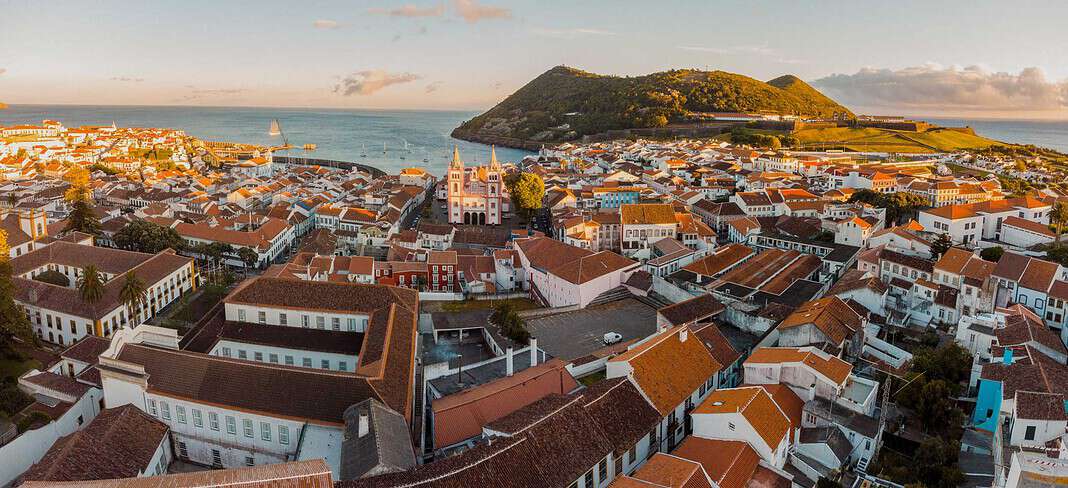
(1052, 134)
(341, 134)
(361, 135)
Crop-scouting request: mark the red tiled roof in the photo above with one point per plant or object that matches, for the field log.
(462, 415)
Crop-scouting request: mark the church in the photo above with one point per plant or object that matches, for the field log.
(476, 196)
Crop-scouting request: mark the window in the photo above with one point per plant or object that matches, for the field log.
(231, 425)
(352, 324)
(213, 420)
(1029, 434)
(587, 480)
(262, 317)
(320, 322)
(283, 435)
(335, 323)
(180, 412)
(273, 358)
(247, 424)
(602, 470)
(282, 319)
(152, 408)
(226, 352)
(304, 321)
(198, 421)
(240, 315)
(242, 354)
(265, 431)
(325, 364)
(250, 461)
(289, 360)
(342, 366)
(730, 425)
(258, 355)
(165, 410)
(306, 363)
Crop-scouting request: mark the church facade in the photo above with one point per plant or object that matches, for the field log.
(476, 196)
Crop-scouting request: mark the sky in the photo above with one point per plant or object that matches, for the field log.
(976, 58)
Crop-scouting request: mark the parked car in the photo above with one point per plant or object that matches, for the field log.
(612, 338)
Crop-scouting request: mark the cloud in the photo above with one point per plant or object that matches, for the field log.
(127, 79)
(326, 24)
(472, 11)
(763, 50)
(370, 81)
(433, 87)
(570, 33)
(410, 11)
(953, 87)
(201, 93)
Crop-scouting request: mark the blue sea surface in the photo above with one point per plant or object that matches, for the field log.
(1051, 134)
(378, 137)
(342, 134)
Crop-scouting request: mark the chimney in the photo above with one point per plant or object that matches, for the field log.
(365, 424)
(1006, 356)
(533, 352)
(683, 334)
(508, 361)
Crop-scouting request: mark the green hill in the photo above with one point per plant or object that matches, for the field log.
(885, 140)
(566, 103)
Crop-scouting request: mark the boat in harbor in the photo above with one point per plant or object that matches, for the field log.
(276, 128)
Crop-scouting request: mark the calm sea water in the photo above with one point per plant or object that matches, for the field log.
(1045, 133)
(339, 134)
(350, 134)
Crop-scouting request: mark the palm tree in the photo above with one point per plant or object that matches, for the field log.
(248, 258)
(1058, 216)
(134, 295)
(91, 285)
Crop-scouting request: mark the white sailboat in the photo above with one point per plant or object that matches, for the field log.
(363, 154)
(276, 128)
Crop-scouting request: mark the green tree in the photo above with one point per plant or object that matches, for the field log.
(527, 190)
(134, 295)
(1058, 217)
(864, 195)
(992, 254)
(82, 219)
(149, 237)
(248, 257)
(79, 196)
(13, 320)
(91, 285)
(949, 362)
(941, 245)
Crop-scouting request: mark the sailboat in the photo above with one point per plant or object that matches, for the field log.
(363, 154)
(276, 128)
(426, 156)
(383, 148)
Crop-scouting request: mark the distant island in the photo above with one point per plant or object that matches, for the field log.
(565, 104)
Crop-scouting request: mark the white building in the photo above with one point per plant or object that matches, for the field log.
(58, 313)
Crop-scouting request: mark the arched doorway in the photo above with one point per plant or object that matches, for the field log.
(467, 218)
(481, 218)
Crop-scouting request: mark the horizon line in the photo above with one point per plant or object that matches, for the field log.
(291, 107)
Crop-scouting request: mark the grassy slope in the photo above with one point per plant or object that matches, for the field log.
(882, 140)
